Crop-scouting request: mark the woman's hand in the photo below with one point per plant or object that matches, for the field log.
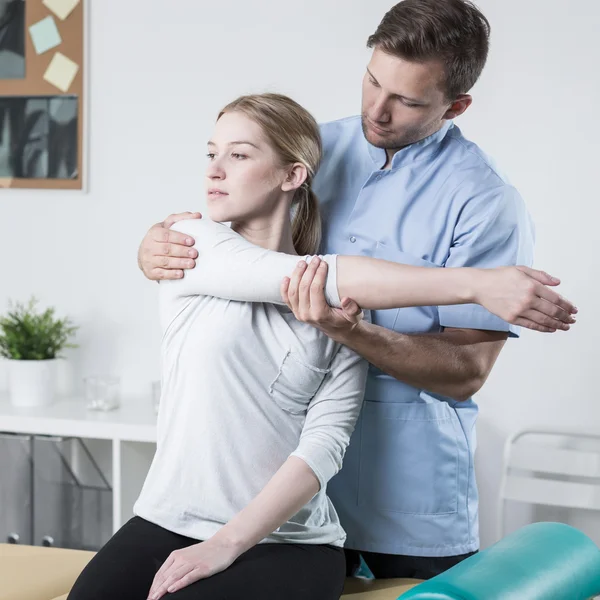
(521, 296)
(165, 253)
(191, 564)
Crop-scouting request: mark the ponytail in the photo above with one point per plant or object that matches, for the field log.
(306, 221)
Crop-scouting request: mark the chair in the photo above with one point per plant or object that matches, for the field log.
(552, 468)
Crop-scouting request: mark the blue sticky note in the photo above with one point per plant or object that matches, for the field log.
(44, 35)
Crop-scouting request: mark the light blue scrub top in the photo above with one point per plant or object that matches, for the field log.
(408, 482)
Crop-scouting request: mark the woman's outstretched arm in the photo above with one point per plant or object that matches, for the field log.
(505, 291)
(228, 266)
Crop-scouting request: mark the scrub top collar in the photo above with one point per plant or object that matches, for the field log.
(414, 152)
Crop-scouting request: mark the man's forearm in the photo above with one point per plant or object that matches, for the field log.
(448, 363)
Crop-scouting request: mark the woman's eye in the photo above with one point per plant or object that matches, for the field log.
(210, 155)
(238, 156)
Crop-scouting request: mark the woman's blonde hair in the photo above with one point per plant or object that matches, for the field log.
(294, 135)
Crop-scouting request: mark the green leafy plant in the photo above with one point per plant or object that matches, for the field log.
(27, 334)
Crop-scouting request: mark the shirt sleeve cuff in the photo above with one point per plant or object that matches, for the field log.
(331, 288)
(473, 316)
(322, 474)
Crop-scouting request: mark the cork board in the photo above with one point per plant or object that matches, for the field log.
(42, 140)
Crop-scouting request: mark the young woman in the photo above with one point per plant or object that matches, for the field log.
(257, 407)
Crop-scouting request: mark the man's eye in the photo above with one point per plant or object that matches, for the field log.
(409, 104)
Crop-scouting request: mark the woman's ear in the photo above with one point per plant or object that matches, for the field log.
(296, 176)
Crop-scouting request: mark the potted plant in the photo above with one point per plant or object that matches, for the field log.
(31, 341)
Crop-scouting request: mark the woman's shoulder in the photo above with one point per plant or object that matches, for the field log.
(206, 233)
(203, 225)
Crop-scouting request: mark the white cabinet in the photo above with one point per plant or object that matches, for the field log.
(122, 441)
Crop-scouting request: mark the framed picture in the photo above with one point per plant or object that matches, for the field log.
(42, 94)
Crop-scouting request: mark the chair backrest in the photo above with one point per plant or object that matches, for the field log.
(551, 468)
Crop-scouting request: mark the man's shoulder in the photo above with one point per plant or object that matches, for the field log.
(472, 180)
(470, 162)
(341, 140)
(350, 121)
(476, 185)
(332, 130)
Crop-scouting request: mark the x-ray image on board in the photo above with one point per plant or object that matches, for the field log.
(12, 39)
(38, 137)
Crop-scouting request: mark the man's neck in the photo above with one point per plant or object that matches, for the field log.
(391, 152)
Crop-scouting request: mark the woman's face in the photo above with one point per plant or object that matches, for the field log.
(243, 175)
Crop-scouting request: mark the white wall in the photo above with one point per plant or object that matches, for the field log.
(157, 80)
(536, 116)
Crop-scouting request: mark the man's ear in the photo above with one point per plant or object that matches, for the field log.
(458, 107)
(296, 176)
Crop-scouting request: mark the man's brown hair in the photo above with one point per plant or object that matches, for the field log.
(454, 32)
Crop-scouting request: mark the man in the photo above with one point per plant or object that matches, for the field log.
(400, 182)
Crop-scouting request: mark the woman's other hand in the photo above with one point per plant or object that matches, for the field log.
(185, 566)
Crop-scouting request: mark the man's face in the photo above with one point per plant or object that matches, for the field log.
(402, 101)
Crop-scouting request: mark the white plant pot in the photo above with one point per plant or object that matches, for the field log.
(32, 382)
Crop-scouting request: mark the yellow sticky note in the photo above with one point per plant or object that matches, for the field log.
(61, 71)
(61, 8)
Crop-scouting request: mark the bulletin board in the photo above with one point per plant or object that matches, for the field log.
(42, 94)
